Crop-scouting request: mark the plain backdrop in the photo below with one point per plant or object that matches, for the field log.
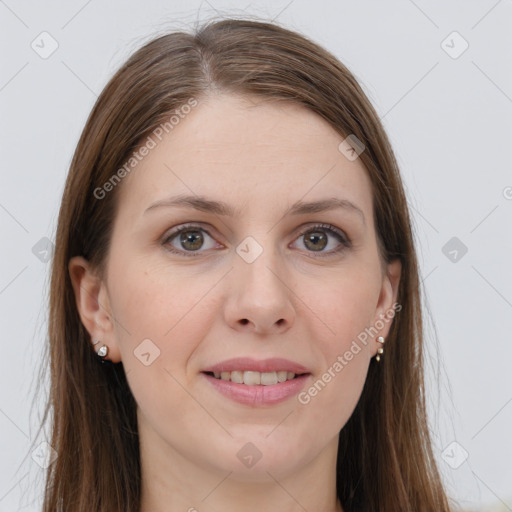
(438, 74)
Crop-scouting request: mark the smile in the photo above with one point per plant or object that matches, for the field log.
(257, 394)
(252, 378)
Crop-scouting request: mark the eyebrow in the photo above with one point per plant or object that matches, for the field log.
(204, 204)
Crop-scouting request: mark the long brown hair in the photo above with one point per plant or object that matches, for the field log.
(385, 459)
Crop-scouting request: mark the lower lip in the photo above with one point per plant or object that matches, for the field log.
(258, 395)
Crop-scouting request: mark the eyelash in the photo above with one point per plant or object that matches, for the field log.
(338, 234)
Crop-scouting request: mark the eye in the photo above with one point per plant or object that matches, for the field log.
(187, 240)
(317, 238)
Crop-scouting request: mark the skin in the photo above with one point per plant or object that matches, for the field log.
(292, 302)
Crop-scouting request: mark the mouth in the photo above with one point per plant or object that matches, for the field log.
(256, 382)
(253, 378)
(257, 389)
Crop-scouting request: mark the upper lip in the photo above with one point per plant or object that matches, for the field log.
(274, 364)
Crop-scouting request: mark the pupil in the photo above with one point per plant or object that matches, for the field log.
(192, 237)
(315, 238)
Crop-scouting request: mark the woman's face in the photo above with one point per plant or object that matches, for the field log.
(262, 270)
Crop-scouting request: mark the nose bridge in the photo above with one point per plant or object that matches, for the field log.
(257, 289)
(256, 266)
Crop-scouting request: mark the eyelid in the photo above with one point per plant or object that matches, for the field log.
(315, 225)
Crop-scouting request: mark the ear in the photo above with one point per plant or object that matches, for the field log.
(93, 306)
(387, 306)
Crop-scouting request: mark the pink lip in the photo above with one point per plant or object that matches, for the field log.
(258, 395)
(274, 364)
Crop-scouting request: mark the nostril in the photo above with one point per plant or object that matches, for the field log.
(244, 321)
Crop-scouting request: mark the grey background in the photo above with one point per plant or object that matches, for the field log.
(449, 120)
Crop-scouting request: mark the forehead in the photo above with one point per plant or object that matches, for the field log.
(248, 152)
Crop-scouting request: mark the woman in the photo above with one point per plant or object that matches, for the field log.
(235, 319)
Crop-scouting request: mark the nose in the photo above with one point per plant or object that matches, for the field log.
(259, 299)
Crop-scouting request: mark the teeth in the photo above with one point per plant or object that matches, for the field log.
(282, 376)
(237, 377)
(267, 379)
(250, 378)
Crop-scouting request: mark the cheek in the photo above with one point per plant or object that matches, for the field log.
(338, 385)
(348, 306)
(160, 323)
(166, 310)
(347, 309)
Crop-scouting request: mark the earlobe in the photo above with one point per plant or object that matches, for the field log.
(92, 305)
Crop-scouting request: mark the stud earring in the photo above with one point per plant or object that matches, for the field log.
(380, 350)
(102, 351)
